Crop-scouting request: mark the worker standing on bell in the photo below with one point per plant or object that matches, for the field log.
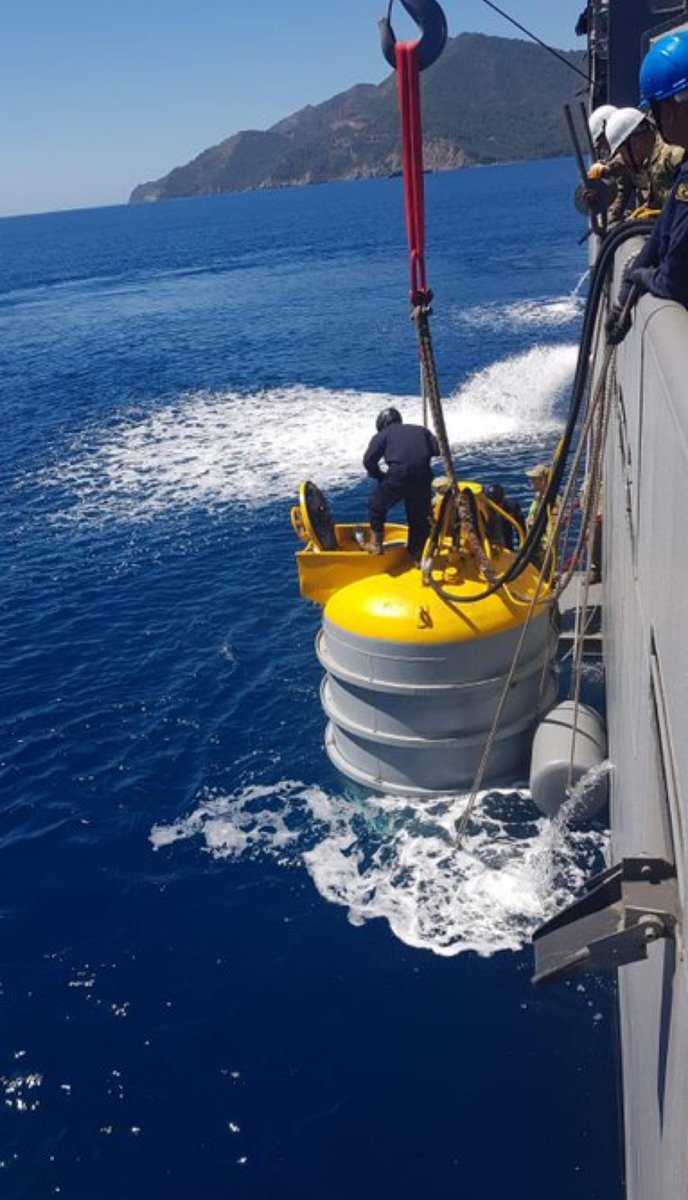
(500, 531)
(661, 268)
(407, 450)
(539, 477)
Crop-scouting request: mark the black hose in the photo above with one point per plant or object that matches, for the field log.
(600, 272)
(615, 239)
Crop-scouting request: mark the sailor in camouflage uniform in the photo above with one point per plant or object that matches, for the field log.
(595, 198)
(652, 163)
(661, 169)
(623, 202)
(642, 165)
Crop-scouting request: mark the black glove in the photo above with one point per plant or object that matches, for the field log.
(618, 324)
(595, 196)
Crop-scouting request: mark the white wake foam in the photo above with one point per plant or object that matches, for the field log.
(397, 859)
(213, 449)
(513, 399)
(527, 314)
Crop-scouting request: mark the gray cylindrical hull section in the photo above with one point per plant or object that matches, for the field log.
(414, 719)
(378, 663)
(552, 763)
(455, 713)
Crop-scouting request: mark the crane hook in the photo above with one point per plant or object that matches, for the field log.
(429, 16)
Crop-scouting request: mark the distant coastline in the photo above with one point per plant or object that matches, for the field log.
(488, 101)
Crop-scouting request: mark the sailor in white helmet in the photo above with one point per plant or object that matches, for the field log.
(651, 162)
(597, 124)
(614, 198)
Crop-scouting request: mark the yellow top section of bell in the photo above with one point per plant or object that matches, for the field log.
(385, 596)
(399, 606)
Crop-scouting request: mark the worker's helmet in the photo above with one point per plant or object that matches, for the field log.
(388, 416)
(621, 125)
(495, 492)
(597, 121)
(539, 471)
(664, 70)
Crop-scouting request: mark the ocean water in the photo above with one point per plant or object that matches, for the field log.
(224, 972)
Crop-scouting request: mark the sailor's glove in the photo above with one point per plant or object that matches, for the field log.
(618, 324)
(585, 199)
(595, 196)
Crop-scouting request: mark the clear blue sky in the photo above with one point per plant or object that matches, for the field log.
(95, 97)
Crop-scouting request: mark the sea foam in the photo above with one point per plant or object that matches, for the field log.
(544, 313)
(398, 859)
(210, 449)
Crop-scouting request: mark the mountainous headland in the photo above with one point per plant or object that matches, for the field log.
(486, 100)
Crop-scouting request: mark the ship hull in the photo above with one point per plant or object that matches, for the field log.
(646, 663)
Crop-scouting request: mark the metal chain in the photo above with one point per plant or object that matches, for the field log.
(421, 315)
(475, 546)
(431, 395)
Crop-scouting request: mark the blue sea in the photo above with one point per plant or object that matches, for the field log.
(225, 974)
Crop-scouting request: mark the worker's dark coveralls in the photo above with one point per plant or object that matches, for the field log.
(407, 450)
(661, 268)
(502, 532)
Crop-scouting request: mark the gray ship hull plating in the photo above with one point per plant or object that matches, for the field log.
(646, 667)
(646, 660)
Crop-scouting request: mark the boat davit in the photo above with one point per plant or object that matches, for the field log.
(416, 659)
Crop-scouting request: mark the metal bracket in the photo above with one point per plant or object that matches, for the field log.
(625, 908)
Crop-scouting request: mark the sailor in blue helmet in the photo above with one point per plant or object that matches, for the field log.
(661, 268)
(407, 451)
